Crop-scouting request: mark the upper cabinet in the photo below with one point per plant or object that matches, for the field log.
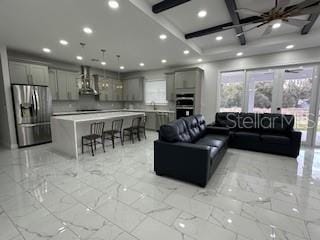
(117, 86)
(25, 73)
(53, 84)
(68, 88)
(186, 79)
(63, 85)
(170, 87)
(133, 90)
(105, 89)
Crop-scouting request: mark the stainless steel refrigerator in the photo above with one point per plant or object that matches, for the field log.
(32, 106)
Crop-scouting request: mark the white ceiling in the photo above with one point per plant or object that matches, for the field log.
(133, 31)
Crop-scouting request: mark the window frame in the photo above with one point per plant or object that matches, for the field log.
(165, 102)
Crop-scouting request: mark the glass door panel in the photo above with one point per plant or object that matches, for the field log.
(297, 96)
(231, 91)
(260, 91)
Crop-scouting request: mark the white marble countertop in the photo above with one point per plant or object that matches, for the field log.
(149, 110)
(110, 110)
(97, 116)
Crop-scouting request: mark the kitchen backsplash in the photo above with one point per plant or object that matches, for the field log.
(89, 103)
(142, 105)
(84, 103)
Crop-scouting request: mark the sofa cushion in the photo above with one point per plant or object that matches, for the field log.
(213, 140)
(176, 131)
(276, 123)
(248, 122)
(193, 127)
(213, 152)
(275, 139)
(227, 119)
(247, 136)
(201, 123)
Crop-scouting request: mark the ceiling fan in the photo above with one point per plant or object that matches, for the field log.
(281, 13)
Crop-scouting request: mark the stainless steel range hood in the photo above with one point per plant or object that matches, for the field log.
(87, 82)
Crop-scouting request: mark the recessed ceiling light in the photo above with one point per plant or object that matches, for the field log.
(141, 64)
(163, 37)
(121, 67)
(202, 13)
(87, 30)
(290, 46)
(46, 50)
(113, 4)
(163, 60)
(103, 63)
(79, 58)
(239, 54)
(186, 52)
(219, 38)
(63, 42)
(200, 60)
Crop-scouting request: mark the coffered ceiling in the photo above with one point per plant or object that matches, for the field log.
(133, 31)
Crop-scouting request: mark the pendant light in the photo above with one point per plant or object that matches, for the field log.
(118, 56)
(105, 83)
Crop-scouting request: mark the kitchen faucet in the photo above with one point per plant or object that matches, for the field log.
(154, 105)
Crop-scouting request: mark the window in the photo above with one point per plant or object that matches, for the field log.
(155, 92)
(231, 91)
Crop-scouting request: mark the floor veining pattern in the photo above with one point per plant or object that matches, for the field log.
(116, 196)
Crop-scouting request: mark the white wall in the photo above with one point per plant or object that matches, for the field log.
(7, 122)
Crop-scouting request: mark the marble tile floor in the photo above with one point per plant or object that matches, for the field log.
(116, 196)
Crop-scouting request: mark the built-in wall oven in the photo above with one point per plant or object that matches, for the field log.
(184, 105)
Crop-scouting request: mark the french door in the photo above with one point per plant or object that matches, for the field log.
(292, 90)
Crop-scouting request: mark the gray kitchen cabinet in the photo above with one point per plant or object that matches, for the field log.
(25, 73)
(117, 90)
(186, 78)
(67, 85)
(133, 89)
(62, 85)
(151, 123)
(39, 75)
(170, 87)
(73, 87)
(53, 84)
(156, 119)
(19, 73)
(125, 90)
(105, 89)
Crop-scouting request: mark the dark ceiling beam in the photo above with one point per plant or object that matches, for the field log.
(219, 28)
(232, 7)
(167, 4)
(306, 29)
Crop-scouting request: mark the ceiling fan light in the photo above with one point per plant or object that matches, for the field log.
(276, 24)
(290, 46)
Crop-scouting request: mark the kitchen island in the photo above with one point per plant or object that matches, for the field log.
(68, 130)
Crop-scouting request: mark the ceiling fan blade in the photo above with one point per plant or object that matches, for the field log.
(282, 3)
(296, 22)
(311, 10)
(306, 4)
(243, 24)
(247, 11)
(248, 30)
(267, 31)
